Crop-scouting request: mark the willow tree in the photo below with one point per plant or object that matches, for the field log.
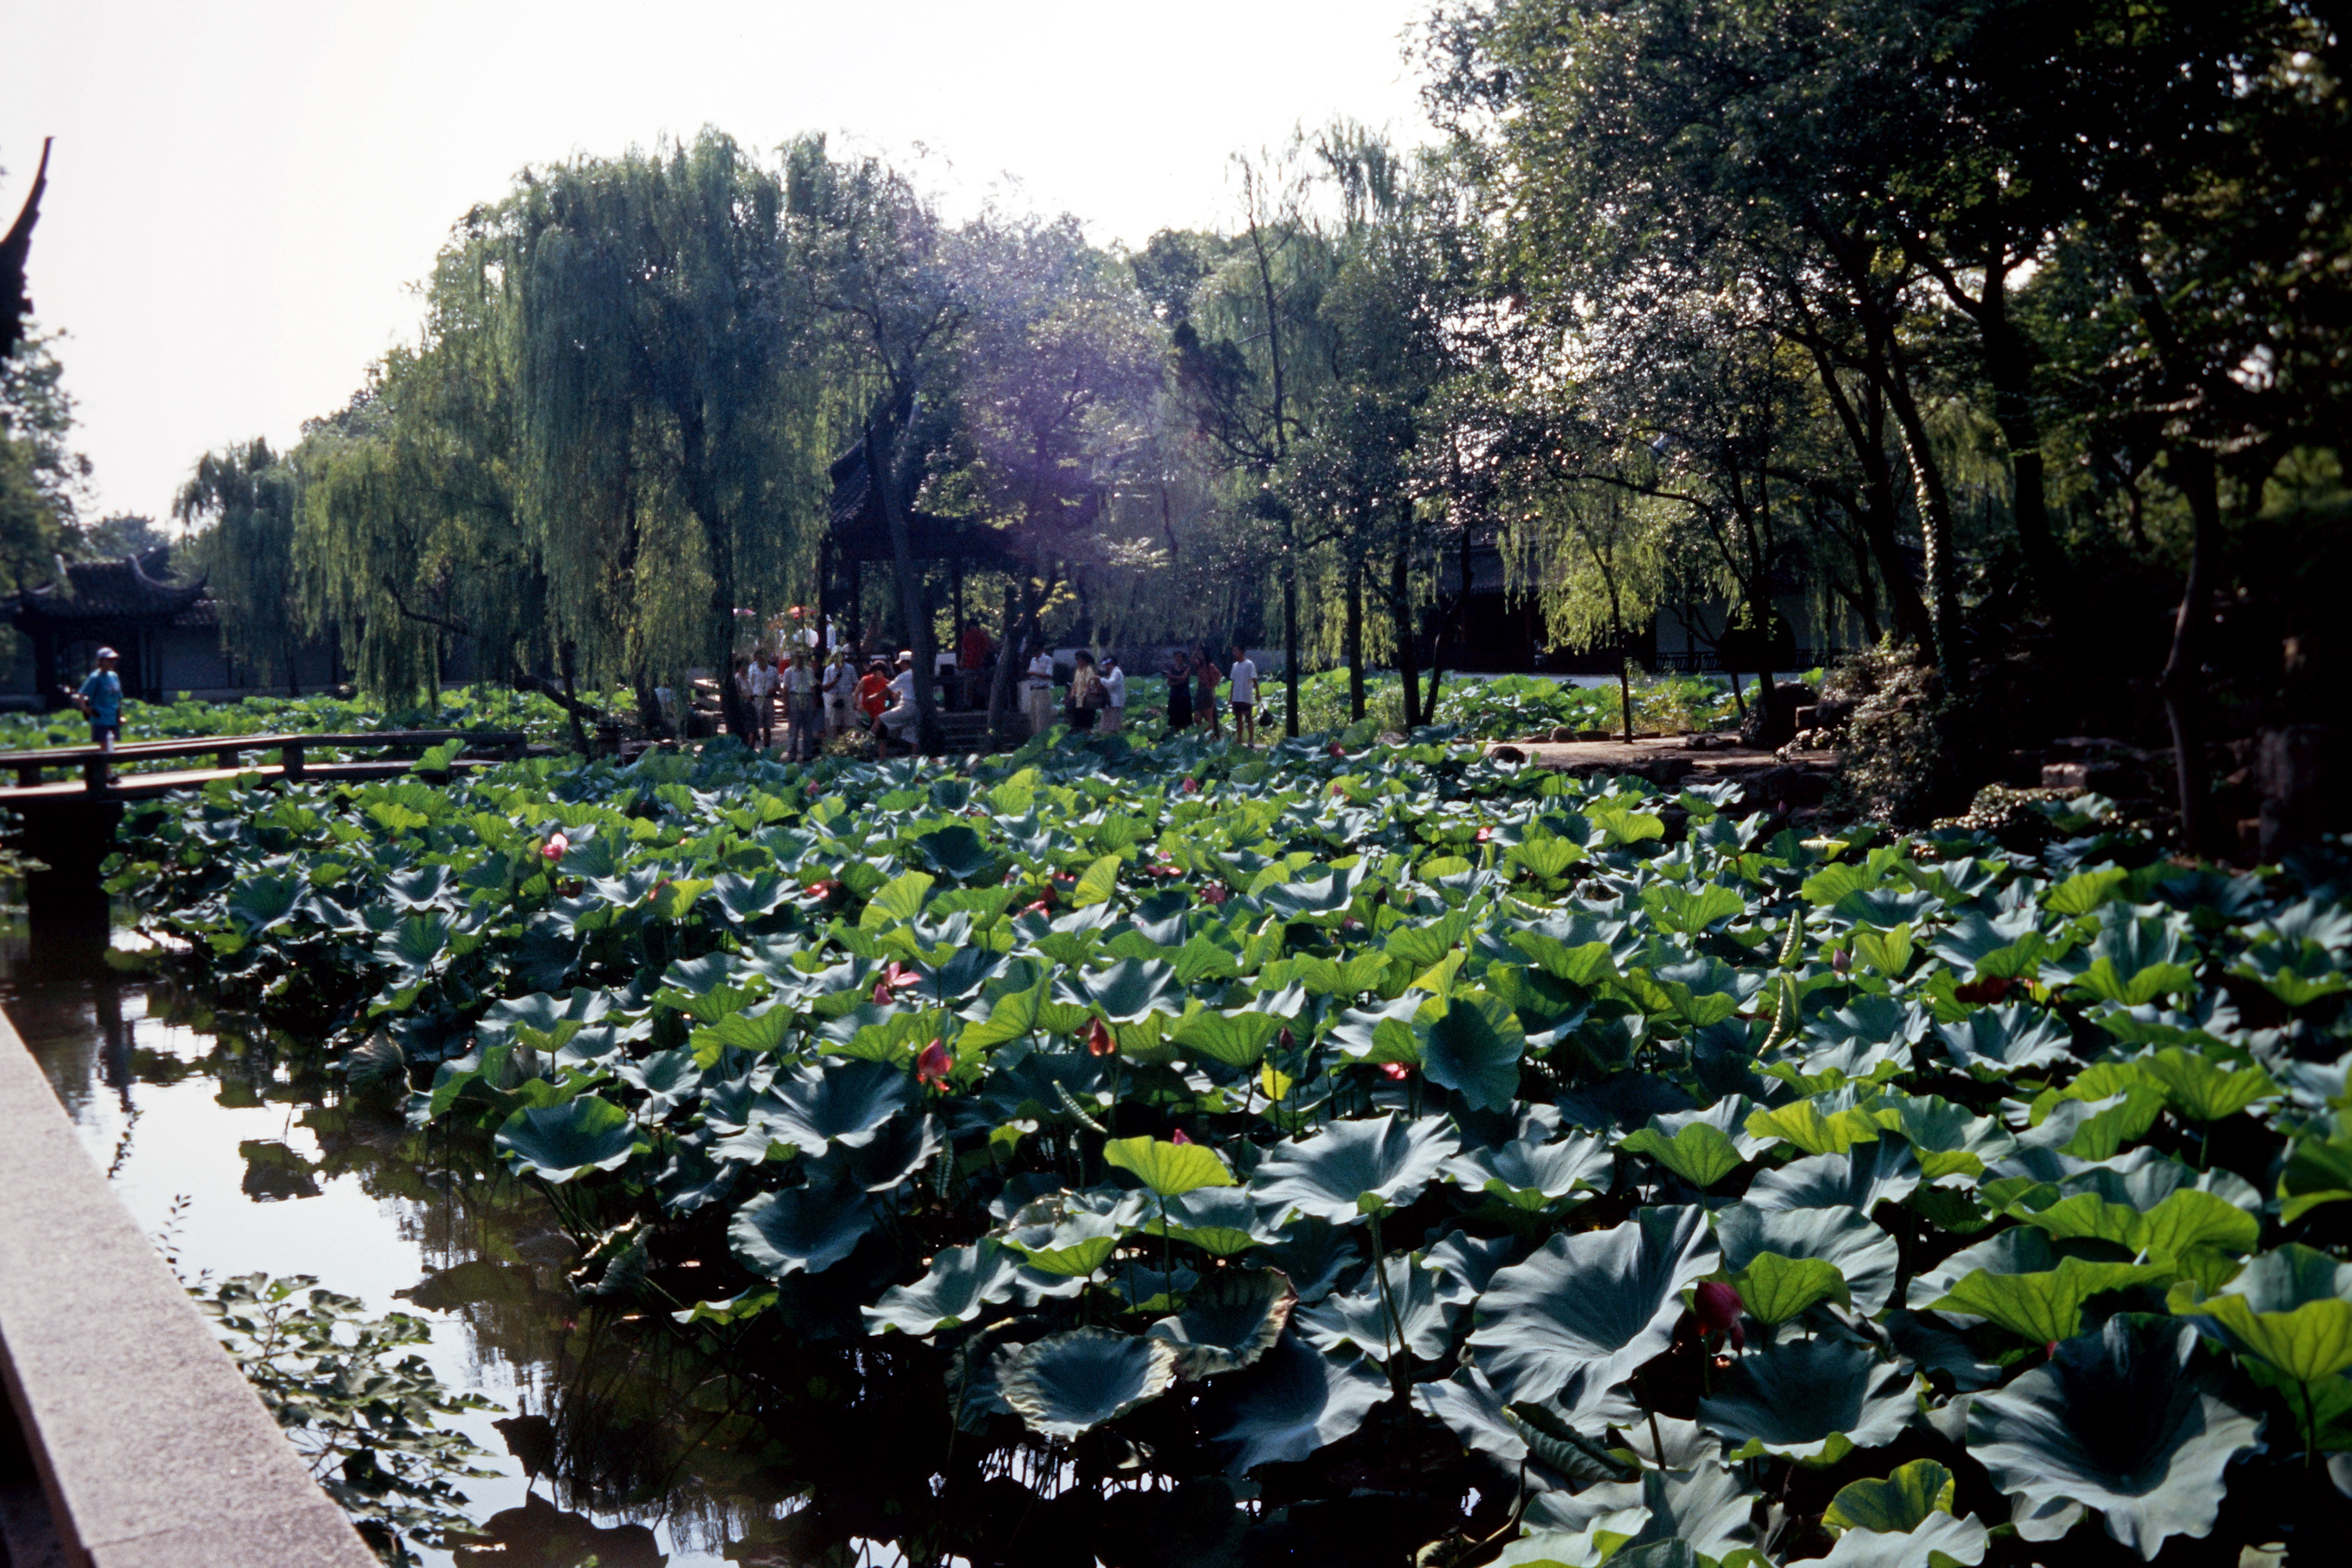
(668, 441)
(241, 501)
(409, 535)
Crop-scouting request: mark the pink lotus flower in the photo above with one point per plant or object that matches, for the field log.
(932, 1067)
(1216, 893)
(556, 847)
(1840, 960)
(1337, 750)
(1717, 1307)
(1042, 906)
(823, 889)
(1485, 834)
(896, 977)
(1192, 786)
(1394, 1071)
(1177, 1137)
(1100, 1042)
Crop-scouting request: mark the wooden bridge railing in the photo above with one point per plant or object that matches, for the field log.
(96, 764)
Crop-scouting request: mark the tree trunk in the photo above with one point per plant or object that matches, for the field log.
(1407, 655)
(1935, 533)
(2182, 683)
(1356, 642)
(1290, 645)
(910, 594)
(1459, 610)
(572, 695)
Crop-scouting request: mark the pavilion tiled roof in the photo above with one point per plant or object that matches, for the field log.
(135, 588)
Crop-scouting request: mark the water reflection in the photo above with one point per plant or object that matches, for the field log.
(603, 1449)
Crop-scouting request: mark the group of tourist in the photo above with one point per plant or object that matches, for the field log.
(825, 691)
(1193, 681)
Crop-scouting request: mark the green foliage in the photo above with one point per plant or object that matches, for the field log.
(365, 1417)
(909, 1051)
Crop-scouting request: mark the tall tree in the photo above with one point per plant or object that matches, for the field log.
(241, 504)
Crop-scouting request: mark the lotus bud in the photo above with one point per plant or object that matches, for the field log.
(932, 1067)
(1717, 1307)
(1100, 1042)
(556, 847)
(1192, 786)
(1216, 893)
(1337, 749)
(881, 997)
(1841, 960)
(1177, 1137)
(1285, 1039)
(1485, 834)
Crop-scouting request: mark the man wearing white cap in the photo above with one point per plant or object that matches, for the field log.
(101, 697)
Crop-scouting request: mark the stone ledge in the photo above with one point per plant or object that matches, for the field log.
(150, 1444)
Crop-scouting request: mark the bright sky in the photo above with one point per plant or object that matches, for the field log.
(243, 191)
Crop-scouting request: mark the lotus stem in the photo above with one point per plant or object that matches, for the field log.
(1657, 1444)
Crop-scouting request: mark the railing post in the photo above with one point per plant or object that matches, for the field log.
(27, 774)
(291, 757)
(93, 772)
(226, 758)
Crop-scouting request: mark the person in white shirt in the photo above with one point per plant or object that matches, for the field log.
(833, 688)
(762, 681)
(1037, 692)
(897, 721)
(1244, 698)
(800, 707)
(1114, 681)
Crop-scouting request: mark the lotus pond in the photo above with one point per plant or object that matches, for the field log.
(1342, 1154)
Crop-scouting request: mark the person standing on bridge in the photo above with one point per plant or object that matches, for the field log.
(101, 698)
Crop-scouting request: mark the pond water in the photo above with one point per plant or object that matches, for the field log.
(229, 1145)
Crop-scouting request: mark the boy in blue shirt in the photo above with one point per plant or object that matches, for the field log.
(101, 697)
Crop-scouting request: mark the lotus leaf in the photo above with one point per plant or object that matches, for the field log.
(800, 1229)
(1408, 1315)
(1865, 1258)
(1293, 1402)
(2292, 1309)
(2124, 1421)
(1229, 1322)
(1531, 1175)
(1807, 1399)
(1474, 1048)
(1699, 1154)
(1066, 1383)
(1169, 1169)
(1352, 1168)
(1709, 1508)
(1904, 1500)
(962, 1281)
(1939, 1541)
(1995, 1042)
(1860, 1179)
(558, 1142)
(1597, 1304)
(667, 1079)
(848, 1103)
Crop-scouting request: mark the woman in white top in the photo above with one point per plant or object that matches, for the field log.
(1037, 692)
(1114, 681)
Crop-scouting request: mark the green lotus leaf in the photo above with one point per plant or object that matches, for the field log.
(1710, 1509)
(2318, 1170)
(1474, 1048)
(1903, 1502)
(1997, 1042)
(1945, 1139)
(1351, 1168)
(1860, 1179)
(1809, 1399)
(2201, 1090)
(1422, 1325)
(1294, 1401)
(1221, 1221)
(1866, 1257)
(2292, 1309)
(1597, 1304)
(800, 1229)
(1805, 1125)
(1128, 990)
(666, 1079)
(558, 1142)
(1169, 1169)
(1939, 1541)
(2040, 1307)
(1071, 1245)
(1228, 1322)
(846, 1102)
(1383, 1034)
(2125, 1421)
(1235, 1039)
(1775, 1289)
(260, 902)
(1699, 1154)
(956, 852)
(2185, 1219)
(1529, 1174)
(748, 899)
(962, 1282)
(1068, 1383)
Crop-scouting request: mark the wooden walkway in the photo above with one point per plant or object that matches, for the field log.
(91, 778)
